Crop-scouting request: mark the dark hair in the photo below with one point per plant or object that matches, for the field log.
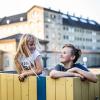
(75, 51)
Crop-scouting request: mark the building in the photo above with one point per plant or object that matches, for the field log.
(58, 28)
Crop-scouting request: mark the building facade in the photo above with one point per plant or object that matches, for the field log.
(58, 28)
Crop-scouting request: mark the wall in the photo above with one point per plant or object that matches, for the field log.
(45, 88)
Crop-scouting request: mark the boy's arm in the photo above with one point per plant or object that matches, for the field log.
(88, 75)
(58, 74)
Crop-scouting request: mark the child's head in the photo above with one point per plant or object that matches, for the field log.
(27, 44)
(70, 53)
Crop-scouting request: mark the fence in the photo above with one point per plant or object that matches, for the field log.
(45, 88)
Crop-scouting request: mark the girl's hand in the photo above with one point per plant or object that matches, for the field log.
(22, 77)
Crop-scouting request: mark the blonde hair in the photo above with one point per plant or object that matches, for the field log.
(23, 46)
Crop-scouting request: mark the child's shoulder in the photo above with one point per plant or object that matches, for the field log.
(81, 66)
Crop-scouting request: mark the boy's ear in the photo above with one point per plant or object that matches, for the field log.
(73, 57)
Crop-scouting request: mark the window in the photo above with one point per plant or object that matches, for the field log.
(65, 16)
(53, 16)
(6, 60)
(92, 22)
(8, 21)
(47, 36)
(98, 48)
(83, 20)
(66, 37)
(21, 19)
(46, 26)
(74, 18)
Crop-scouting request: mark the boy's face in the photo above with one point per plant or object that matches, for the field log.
(66, 55)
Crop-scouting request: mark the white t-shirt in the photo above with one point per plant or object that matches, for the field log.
(28, 61)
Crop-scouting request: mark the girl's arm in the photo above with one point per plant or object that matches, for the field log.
(88, 75)
(17, 63)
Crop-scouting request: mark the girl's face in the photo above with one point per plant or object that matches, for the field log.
(31, 44)
(66, 55)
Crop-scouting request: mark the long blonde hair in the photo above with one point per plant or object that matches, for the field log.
(23, 44)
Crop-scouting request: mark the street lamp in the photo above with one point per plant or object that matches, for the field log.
(85, 61)
(44, 43)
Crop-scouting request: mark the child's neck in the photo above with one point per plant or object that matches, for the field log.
(32, 50)
(68, 65)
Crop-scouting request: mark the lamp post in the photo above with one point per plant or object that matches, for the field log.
(85, 61)
(45, 60)
(44, 43)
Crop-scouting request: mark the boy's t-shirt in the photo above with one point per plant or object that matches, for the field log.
(60, 67)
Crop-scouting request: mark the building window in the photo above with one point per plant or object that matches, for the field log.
(65, 37)
(6, 60)
(98, 33)
(46, 26)
(98, 48)
(53, 16)
(53, 35)
(79, 30)
(88, 31)
(47, 36)
(21, 19)
(98, 40)
(8, 21)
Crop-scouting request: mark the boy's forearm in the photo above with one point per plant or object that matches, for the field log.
(90, 76)
(58, 74)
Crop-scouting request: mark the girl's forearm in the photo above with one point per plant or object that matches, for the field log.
(18, 66)
(33, 71)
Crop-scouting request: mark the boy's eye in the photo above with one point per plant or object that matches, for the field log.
(64, 52)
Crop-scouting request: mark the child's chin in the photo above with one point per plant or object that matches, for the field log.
(62, 61)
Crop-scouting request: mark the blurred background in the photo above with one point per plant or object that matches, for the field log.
(54, 23)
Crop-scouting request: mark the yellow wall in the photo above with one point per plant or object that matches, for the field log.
(7, 59)
(56, 89)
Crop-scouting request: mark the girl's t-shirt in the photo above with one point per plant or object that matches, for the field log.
(28, 62)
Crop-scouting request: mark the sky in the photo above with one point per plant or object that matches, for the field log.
(84, 8)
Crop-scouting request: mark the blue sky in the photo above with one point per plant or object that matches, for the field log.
(85, 8)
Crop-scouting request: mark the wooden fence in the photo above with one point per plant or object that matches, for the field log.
(45, 88)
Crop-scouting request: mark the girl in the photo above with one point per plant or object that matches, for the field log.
(27, 58)
(69, 56)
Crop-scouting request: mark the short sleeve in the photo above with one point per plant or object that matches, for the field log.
(81, 67)
(35, 54)
(60, 68)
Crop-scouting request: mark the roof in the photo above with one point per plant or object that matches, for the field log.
(15, 36)
(80, 22)
(77, 21)
(18, 36)
(13, 19)
(66, 19)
